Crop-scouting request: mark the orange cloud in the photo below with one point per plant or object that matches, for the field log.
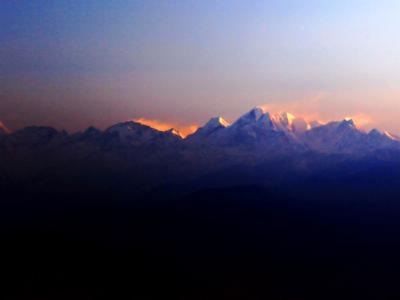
(361, 120)
(308, 107)
(184, 130)
(313, 108)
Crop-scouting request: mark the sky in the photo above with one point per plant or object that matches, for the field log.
(72, 64)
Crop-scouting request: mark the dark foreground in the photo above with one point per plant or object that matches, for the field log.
(323, 241)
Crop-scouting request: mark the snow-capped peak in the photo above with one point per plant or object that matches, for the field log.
(348, 122)
(289, 123)
(256, 112)
(375, 132)
(251, 117)
(285, 119)
(174, 131)
(391, 136)
(213, 126)
(215, 123)
(265, 121)
(378, 134)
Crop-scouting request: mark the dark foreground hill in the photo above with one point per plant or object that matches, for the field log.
(320, 238)
(231, 243)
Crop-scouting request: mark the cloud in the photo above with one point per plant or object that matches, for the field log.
(361, 119)
(184, 130)
(319, 107)
(308, 108)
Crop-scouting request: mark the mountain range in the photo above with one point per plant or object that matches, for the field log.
(281, 132)
(257, 131)
(271, 199)
(258, 147)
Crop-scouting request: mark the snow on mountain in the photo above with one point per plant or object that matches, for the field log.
(211, 127)
(250, 124)
(284, 122)
(340, 136)
(216, 122)
(265, 132)
(254, 127)
(173, 132)
(260, 131)
(136, 134)
(345, 137)
(289, 123)
(378, 140)
(257, 131)
(391, 136)
(250, 118)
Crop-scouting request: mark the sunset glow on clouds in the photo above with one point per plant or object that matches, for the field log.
(319, 107)
(184, 130)
(362, 121)
(312, 110)
(187, 63)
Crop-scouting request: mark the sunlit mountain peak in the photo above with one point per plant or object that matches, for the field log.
(216, 122)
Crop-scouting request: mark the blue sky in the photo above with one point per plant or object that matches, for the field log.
(71, 64)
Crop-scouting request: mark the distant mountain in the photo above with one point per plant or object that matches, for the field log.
(259, 147)
(34, 136)
(210, 128)
(255, 136)
(255, 125)
(136, 134)
(260, 131)
(345, 137)
(282, 195)
(284, 133)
